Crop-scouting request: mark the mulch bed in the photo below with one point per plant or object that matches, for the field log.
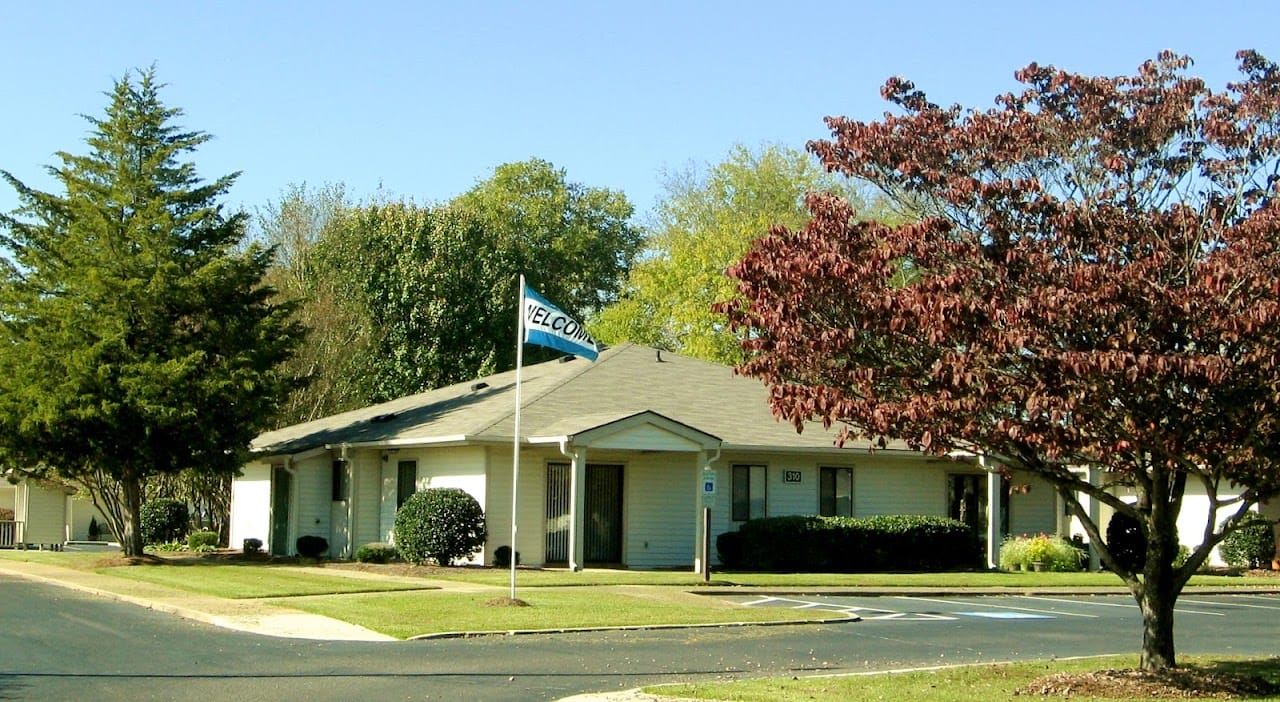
(1180, 683)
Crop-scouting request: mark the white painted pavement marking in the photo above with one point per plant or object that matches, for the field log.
(1126, 605)
(1006, 607)
(850, 609)
(1228, 604)
(1005, 615)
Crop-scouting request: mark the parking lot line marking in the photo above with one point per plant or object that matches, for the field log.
(1229, 604)
(992, 606)
(1005, 615)
(1128, 605)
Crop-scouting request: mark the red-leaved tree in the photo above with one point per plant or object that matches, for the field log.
(1094, 280)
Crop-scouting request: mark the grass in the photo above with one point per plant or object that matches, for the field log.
(405, 615)
(564, 578)
(252, 581)
(979, 683)
(63, 559)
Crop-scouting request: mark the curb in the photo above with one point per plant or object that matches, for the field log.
(634, 627)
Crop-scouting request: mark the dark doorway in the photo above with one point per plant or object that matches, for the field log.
(602, 540)
(281, 482)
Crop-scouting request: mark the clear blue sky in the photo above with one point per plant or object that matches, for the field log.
(424, 99)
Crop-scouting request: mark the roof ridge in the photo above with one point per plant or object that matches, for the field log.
(600, 360)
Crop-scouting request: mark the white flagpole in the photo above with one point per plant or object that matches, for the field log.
(515, 450)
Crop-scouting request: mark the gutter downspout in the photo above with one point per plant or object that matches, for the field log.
(702, 521)
(349, 548)
(577, 504)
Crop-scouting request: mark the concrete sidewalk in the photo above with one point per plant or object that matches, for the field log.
(249, 615)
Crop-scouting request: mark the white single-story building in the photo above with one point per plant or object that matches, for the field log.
(44, 513)
(613, 455)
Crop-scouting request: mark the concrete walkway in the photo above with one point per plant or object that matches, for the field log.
(255, 616)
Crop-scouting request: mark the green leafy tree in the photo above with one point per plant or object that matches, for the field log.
(136, 337)
(338, 334)
(706, 222)
(575, 242)
(1095, 284)
(436, 286)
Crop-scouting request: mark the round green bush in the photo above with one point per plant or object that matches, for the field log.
(163, 521)
(376, 553)
(1252, 545)
(311, 546)
(439, 524)
(202, 540)
(1126, 543)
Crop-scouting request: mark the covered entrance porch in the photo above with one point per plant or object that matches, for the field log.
(609, 510)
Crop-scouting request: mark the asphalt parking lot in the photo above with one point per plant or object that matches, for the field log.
(1219, 610)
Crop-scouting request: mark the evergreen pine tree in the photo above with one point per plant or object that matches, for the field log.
(136, 335)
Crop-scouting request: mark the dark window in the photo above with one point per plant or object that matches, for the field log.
(341, 484)
(835, 492)
(406, 481)
(748, 493)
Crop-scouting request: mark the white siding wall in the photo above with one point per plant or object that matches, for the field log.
(366, 484)
(79, 511)
(45, 515)
(783, 498)
(890, 486)
(531, 511)
(312, 498)
(660, 510)
(251, 506)
(1033, 512)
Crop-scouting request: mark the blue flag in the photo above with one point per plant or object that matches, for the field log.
(546, 325)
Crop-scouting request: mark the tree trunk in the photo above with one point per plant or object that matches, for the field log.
(1157, 601)
(131, 509)
(1159, 591)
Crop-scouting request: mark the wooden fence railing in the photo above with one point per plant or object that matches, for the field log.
(10, 533)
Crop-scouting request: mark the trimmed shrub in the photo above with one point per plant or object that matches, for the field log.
(377, 553)
(1125, 541)
(729, 546)
(851, 545)
(1013, 553)
(439, 524)
(163, 520)
(502, 557)
(1052, 553)
(311, 546)
(252, 546)
(202, 541)
(1252, 545)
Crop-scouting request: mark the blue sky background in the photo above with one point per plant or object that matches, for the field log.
(423, 99)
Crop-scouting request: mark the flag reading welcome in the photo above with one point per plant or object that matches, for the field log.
(546, 325)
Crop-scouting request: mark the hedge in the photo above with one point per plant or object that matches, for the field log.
(851, 545)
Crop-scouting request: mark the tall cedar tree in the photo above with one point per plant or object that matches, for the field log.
(1097, 283)
(137, 336)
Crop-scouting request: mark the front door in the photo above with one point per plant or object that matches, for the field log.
(602, 540)
(281, 481)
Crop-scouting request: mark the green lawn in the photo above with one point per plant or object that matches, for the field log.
(981, 683)
(252, 581)
(563, 578)
(405, 614)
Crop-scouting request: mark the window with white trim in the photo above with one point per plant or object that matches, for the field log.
(835, 491)
(748, 492)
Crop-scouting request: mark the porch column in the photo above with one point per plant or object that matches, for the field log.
(995, 483)
(1095, 515)
(699, 536)
(577, 508)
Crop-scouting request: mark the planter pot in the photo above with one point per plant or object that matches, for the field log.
(1038, 566)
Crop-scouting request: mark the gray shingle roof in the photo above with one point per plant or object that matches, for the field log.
(624, 380)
